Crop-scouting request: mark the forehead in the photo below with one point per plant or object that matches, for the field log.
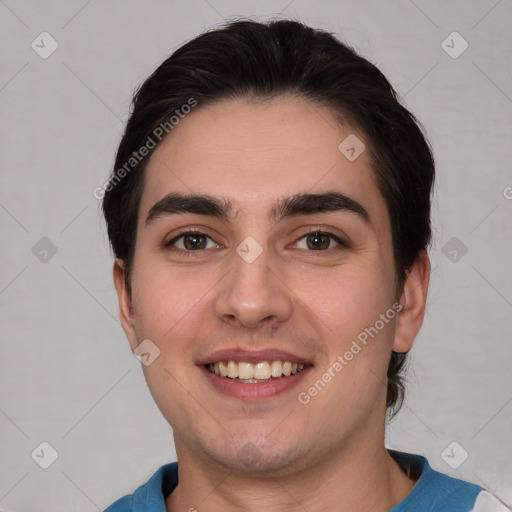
(254, 153)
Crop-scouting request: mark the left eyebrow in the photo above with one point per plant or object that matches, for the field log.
(299, 204)
(309, 204)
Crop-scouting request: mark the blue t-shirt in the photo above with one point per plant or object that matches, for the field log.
(433, 491)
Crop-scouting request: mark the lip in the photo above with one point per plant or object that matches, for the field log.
(256, 391)
(252, 356)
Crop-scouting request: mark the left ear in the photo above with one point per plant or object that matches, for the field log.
(413, 301)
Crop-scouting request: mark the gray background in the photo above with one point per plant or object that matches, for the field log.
(68, 376)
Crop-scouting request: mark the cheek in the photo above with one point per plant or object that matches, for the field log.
(346, 301)
(164, 299)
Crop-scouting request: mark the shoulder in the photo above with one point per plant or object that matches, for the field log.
(149, 497)
(434, 490)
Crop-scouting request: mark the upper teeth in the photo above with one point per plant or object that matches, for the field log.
(262, 371)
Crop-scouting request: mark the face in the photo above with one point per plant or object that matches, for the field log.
(262, 269)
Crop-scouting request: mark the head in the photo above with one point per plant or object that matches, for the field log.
(247, 116)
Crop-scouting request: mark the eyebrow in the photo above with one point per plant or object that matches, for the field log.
(299, 204)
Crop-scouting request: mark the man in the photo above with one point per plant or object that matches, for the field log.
(269, 211)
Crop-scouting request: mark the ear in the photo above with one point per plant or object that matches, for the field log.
(413, 301)
(125, 303)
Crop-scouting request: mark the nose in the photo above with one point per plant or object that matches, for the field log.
(254, 294)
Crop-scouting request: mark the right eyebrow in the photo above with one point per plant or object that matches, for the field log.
(174, 203)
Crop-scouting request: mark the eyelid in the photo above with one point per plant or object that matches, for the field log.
(187, 231)
(340, 240)
(335, 233)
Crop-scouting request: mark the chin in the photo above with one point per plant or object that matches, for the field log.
(266, 461)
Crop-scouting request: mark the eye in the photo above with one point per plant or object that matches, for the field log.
(192, 241)
(319, 241)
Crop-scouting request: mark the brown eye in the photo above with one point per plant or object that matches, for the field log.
(319, 241)
(191, 241)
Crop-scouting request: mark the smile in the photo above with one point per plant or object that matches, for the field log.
(262, 371)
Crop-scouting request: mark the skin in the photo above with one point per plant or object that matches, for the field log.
(272, 454)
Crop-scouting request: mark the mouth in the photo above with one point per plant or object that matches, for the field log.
(254, 373)
(250, 375)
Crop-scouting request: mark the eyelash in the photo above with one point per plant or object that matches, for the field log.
(168, 245)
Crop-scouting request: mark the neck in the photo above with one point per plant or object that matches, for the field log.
(362, 478)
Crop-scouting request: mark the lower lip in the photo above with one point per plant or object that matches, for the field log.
(256, 391)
